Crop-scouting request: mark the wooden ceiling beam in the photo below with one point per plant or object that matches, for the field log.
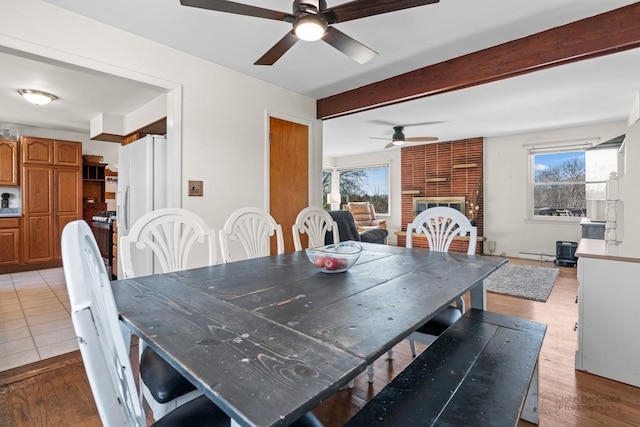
(604, 34)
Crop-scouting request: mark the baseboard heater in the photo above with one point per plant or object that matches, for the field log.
(537, 256)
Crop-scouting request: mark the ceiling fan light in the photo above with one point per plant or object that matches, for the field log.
(397, 142)
(37, 97)
(309, 28)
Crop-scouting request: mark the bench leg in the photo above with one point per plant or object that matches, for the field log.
(412, 344)
(390, 354)
(530, 410)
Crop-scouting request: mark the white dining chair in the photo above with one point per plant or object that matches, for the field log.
(104, 353)
(316, 223)
(440, 225)
(171, 234)
(247, 234)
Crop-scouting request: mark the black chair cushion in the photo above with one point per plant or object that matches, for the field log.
(162, 380)
(200, 412)
(441, 321)
(374, 235)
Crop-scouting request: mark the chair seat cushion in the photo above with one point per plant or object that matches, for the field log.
(374, 235)
(441, 321)
(199, 412)
(162, 380)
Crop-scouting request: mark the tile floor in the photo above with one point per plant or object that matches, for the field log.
(35, 319)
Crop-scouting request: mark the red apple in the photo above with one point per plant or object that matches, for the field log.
(331, 263)
(342, 262)
(319, 261)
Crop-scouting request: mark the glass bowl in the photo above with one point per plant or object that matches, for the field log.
(334, 258)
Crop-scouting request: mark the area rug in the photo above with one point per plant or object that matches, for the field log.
(523, 281)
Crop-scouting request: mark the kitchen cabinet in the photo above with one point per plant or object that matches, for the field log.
(8, 163)
(51, 195)
(45, 151)
(9, 241)
(607, 324)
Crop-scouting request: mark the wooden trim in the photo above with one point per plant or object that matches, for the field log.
(465, 166)
(421, 236)
(604, 34)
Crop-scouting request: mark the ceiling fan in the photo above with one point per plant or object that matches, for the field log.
(398, 137)
(312, 20)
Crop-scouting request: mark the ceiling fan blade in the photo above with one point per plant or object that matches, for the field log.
(239, 9)
(373, 137)
(421, 139)
(350, 47)
(362, 8)
(278, 50)
(391, 145)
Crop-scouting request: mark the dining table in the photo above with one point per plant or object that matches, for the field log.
(268, 339)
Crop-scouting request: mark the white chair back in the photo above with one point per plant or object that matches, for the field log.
(170, 233)
(95, 320)
(441, 225)
(252, 228)
(315, 222)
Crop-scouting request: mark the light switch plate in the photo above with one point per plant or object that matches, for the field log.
(195, 188)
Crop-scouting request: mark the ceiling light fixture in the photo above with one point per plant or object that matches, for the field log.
(37, 97)
(310, 27)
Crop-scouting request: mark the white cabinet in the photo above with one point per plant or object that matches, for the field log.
(608, 321)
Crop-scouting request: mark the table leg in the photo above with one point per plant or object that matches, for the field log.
(530, 409)
(479, 296)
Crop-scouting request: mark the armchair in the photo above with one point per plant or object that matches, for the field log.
(365, 216)
(347, 230)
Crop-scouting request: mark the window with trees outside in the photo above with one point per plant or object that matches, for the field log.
(367, 184)
(326, 189)
(559, 184)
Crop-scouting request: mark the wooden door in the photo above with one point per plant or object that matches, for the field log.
(288, 175)
(38, 213)
(8, 162)
(9, 241)
(67, 153)
(67, 204)
(36, 150)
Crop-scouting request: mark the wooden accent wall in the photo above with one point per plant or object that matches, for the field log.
(460, 163)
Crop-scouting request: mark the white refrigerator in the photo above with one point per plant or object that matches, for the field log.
(142, 188)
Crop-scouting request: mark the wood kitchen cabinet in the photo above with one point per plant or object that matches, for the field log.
(51, 195)
(9, 241)
(8, 163)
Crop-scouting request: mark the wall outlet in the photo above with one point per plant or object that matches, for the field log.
(492, 246)
(195, 188)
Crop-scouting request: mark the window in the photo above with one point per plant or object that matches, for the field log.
(326, 189)
(559, 183)
(370, 184)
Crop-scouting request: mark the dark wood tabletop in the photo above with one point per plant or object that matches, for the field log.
(268, 339)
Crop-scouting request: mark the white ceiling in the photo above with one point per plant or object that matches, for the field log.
(593, 91)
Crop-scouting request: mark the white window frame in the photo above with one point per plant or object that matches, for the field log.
(531, 150)
(386, 165)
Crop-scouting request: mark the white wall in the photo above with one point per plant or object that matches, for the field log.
(392, 157)
(506, 175)
(223, 122)
(629, 226)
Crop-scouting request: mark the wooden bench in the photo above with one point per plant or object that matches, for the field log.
(483, 370)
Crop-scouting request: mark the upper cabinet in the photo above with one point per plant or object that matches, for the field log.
(8, 163)
(43, 151)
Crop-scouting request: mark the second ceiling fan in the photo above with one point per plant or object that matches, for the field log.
(398, 138)
(312, 20)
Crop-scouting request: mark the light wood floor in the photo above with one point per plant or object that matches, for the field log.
(56, 392)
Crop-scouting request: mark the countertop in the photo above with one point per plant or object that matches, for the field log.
(10, 212)
(592, 248)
